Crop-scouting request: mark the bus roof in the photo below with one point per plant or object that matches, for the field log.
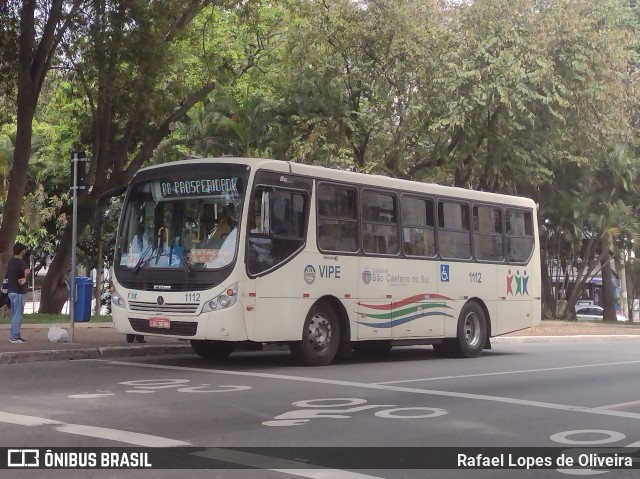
(327, 173)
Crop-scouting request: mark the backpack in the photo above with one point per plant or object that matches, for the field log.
(4, 293)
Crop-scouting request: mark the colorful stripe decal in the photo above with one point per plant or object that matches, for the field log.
(407, 319)
(405, 302)
(405, 310)
(412, 309)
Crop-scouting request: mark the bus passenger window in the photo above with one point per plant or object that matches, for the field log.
(337, 218)
(453, 234)
(418, 219)
(380, 223)
(487, 233)
(520, 241)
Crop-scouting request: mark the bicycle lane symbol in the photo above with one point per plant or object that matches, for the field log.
(338, 408)
(602, 438)
(149, 386)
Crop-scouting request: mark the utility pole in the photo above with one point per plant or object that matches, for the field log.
(78, 162)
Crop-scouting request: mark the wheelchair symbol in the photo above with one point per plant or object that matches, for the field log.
(444, 273)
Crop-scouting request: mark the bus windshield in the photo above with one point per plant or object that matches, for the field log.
(180, 224)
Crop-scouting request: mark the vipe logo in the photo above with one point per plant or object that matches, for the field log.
(366, 277)
(23, 458)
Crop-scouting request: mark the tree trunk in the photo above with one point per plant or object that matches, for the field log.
(26, 101)
(99, 268)
(549, 303)
(17, 183)
(607, 281)
(54, 287)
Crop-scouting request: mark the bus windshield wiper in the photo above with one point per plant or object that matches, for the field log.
(186, 265)
(142, 261)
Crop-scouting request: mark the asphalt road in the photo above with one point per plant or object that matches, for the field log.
(544, 394)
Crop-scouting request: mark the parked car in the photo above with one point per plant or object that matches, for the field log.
(594, 313)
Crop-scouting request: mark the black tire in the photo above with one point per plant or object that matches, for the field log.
(213, 349)
(320, 337)
(372, 348)
(472, 332)
(131, 338)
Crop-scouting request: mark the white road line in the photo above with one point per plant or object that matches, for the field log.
(128, 437)
(280, 465)
(622, 404)
(146, 440)
(385, 387)
(22, 420)
(522, 371)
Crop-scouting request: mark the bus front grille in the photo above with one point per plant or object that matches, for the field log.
(185, 308)
(178, 328)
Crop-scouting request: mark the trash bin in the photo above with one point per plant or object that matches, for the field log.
(82, 304)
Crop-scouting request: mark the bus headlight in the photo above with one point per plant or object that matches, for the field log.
(118, 300)
(223, 300)
(210, 306)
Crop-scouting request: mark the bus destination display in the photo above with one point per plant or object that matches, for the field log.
(199, 187)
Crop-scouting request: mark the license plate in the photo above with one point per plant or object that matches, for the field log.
(159, 323)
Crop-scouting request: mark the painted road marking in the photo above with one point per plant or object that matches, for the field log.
(21, 420)
(128, 437)
(511, 372)
(146, 440)
(607, 438)
(619, 405)
(386, 387)
(318, 409)
(150, 386)
(271, 464)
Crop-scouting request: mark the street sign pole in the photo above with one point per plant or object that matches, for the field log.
(76, 158)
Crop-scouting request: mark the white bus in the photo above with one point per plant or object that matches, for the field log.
(232, 252)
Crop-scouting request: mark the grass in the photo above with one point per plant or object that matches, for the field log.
(40, 318)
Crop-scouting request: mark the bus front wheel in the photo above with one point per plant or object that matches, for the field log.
(472, 332)
(212, 349)
(320, 337)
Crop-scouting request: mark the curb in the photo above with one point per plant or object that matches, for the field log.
(583, 337)
(92, 353)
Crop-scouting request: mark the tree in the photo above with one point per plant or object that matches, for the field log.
(39, 35)
(363, 84)
(142, 66)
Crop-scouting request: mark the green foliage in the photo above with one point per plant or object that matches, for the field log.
(515, 96)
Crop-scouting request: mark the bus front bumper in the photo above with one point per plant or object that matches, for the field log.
(222, 325)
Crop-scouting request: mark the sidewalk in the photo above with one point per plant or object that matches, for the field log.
(99, 340)
(90, 341)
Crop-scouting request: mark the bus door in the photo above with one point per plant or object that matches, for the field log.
(419, 309)
(276, 235)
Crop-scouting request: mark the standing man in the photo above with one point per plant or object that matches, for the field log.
(17, 273)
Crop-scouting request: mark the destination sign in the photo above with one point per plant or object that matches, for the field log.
(199, 187)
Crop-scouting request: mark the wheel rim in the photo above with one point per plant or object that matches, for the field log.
(320, 333)
(472, 329)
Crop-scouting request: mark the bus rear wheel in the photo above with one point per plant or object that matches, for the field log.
(320, 337)
(472, 332)
(212, 349)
